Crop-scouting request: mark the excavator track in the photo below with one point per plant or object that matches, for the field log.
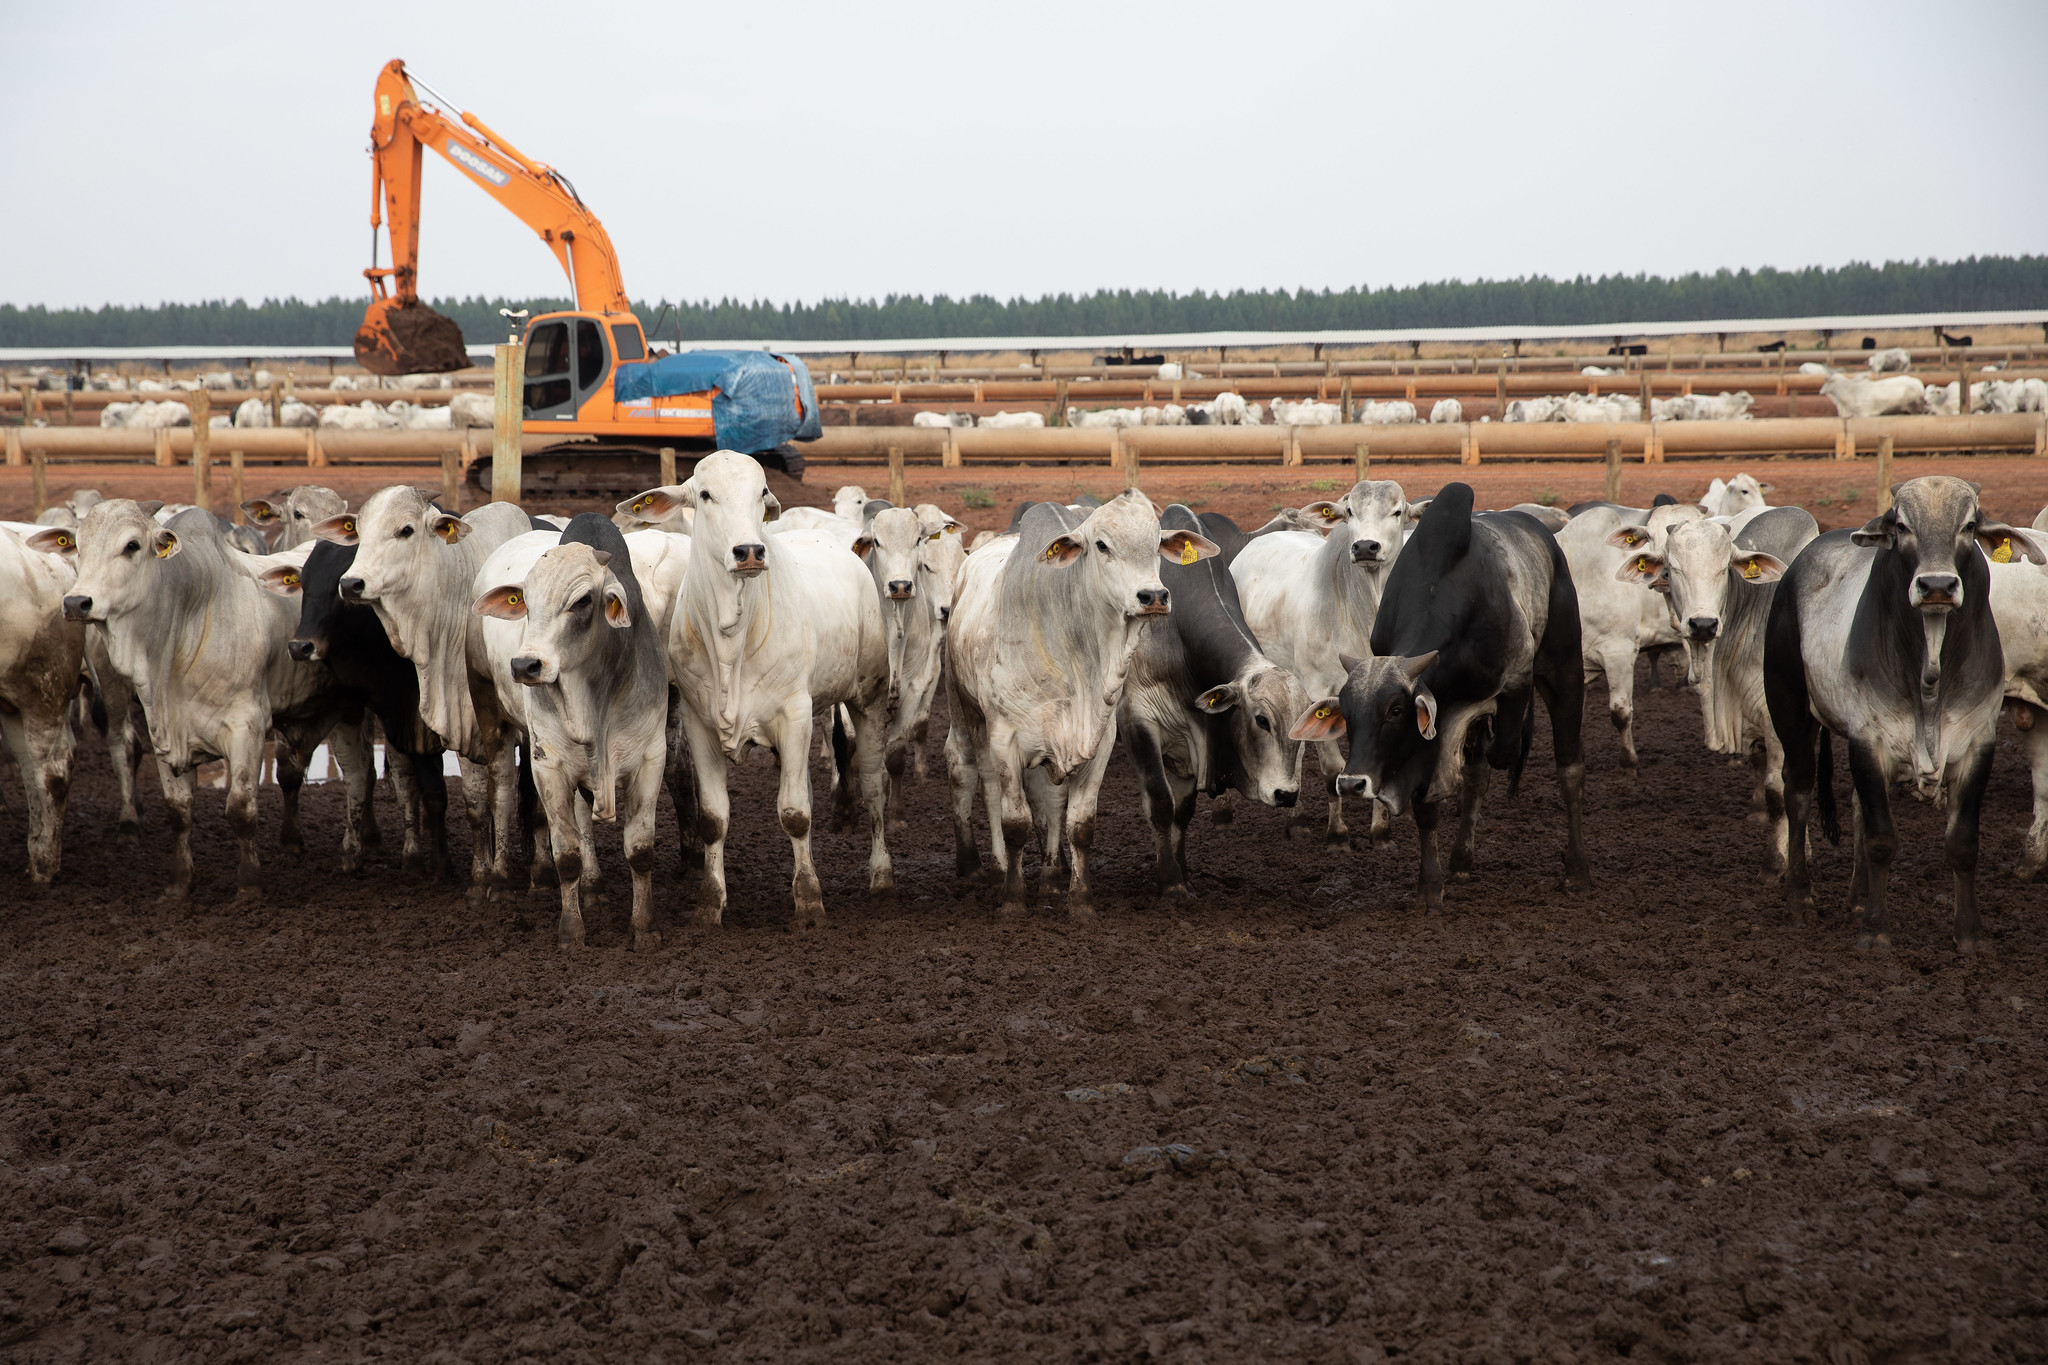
(599, 469)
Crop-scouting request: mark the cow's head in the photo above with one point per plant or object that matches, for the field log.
(118, 547)
(732, 502)
(1741, 493)
(1371, 521)
(1385, 715)
(890, 543)
(1115, 550)
(317, 586)
(849, 501)
(1259, 707)
(1700, 569)
(942, 549)
(569, 596)
(1934, 521)
(396, 534)
(290, 516)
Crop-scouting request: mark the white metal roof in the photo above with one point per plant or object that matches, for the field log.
(1154, 341)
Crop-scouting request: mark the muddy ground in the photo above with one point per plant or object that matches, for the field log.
(1292, 1120)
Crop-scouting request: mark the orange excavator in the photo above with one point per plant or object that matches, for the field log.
(589, 377)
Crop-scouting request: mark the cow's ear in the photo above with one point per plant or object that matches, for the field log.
(1629, 537)
(1416, 509)
(1877, 531)
(1646, 569)
(151, 508)
(54, 540)
(1327, 512)
(507, 603)
(1324, 720)
(164, 544)
(339, 530)
(617, 614)
(1064, 549)
(448, 526)
(1425, 713)
(771, 506)
(261, 511)
(1185, 547)
(1759, 567)
(1350, 664)
(2003, 544)
(863, 544)
(1216, 700)
(281, 579)
(1766, 488)
(656, 504)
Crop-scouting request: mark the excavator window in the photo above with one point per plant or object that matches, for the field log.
(590, 355)
(626, 340)
(547, 366)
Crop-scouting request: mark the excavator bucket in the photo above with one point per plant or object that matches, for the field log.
(409, 338)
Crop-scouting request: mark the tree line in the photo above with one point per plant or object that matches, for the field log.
(1974, 284)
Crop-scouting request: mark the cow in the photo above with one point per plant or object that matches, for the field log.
(767, 632)
(1039, 650)
(1311, 599)
(41, 654)
(914, 558)
(1617, 621)
(416, 566)
(1885, 636)
(348, 640)
(1205, 710)
(1720, 584)
(1739, 494)
(2019, 604)
(593, 662)
(204, 647)
(1479, 616)
(289, 517)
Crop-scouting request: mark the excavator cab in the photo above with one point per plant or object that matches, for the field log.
(569, 356)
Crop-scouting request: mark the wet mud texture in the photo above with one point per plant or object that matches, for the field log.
(1291, 1120)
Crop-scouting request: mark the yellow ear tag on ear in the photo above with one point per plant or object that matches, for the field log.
(512, 599)
(447, 532)
(1322, 713)
(1751, 569)
(1052, 552)
(1643, 564)
(1188, 553)
(164, 551)
(291, 580)
(1330, 514)
(63, 542)
(349, 526)
(2003, 554)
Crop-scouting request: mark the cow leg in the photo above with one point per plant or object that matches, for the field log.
(1771, 766)
(962, 777)
(682, 786)
(245, 764)
(556, 791)
(714, 811)
(1966, 805)
(366, 740)
(43, 752)
(1156, 796)
(1184, 792)
(477, 786)
(1337, 832)
(846, 740)
(792, 741)
(429, 775)
(126, 751)
(177, 789)
(1048, 823)
(2035, 855)
(398, 767)
(292, 762)
(1619, 664)
(879, 774)
(643, 797)
(1429, 883)
(522, 814)
(1564, 697)
(1083, 789)
(1859, 864)
(1011, 811)
(1880, 840)
(586, 845)
(355, 754)
(1759, 771)
(1471, 791)
(1223, 810)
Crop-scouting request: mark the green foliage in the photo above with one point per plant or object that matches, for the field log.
(977, 497)
(1977, 283)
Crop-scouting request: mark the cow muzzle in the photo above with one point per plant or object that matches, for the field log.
(1702, 630)
(527, 669)
(302, 651)
(351, 589)
(77, 608)
(901, 590)
(1937, 592)
(945, 614)
(1352, 784)
(1367, 552)
(1153, 602)
(749, 559)
(1285, 797)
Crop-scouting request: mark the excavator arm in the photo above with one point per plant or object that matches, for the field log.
(401, 334)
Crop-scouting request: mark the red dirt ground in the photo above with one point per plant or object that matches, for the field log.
(1655, 1120)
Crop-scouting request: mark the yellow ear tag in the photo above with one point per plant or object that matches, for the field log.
(63, 542)
(512, 599)
(1322, 713)
(1188, 553)
(291, 580)
(1052, 552)
(447, 532)
(1330, 514)
(349, 526)
(1751, 569)
(1643, 564)
(2003, 554)
(164, 551)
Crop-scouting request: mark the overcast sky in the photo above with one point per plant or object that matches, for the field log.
(792, 151)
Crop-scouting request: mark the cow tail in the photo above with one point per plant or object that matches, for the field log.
(1830, 817)
(842, 745)
(98, 708)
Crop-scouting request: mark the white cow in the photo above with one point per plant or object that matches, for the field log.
(290, 516)
(1044, 627)
(914, 557)
(1447, 411)
(767, 633)
(1735, 496)
(1393, 412)
(40, 657)
(1891, 360)
(1311, 599)
(1859, 396)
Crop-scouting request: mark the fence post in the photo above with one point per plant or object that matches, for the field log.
(163, 448)
(1361, 463)
(897, 497)
(28, 405)
(276, 406)
(1500, 389)
(1059, 404)
(1116, 448)
(1130, 464)
(39, 484)
(505, 444)
(1614, 462)
(316, 454)
(68, 416)
(1471, 452)
(235, 486)
(1963, 391)
(14, 447)
(1884, 475)
(1649, 401)
(668, 466)
(452, 465)
(201, 404)
(1344, 399)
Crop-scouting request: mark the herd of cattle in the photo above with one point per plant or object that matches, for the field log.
(577, 667)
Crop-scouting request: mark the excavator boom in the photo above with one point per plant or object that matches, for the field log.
(400, 333)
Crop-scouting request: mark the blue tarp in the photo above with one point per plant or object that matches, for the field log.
(763, 399)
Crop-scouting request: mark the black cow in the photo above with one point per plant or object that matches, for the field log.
(1205, 710)
(1478, 615)
(350, 640)
(1885, 637)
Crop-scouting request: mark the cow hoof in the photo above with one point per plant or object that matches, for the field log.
(175, 895)
(1011, 910)
(1342, 840)
(568, 936)
(1461, 876)
(249, 895)
(1868, 942)
(645, 940)
(1082, 913)
(704, 920)
(1176, 891)
(1965, 947)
